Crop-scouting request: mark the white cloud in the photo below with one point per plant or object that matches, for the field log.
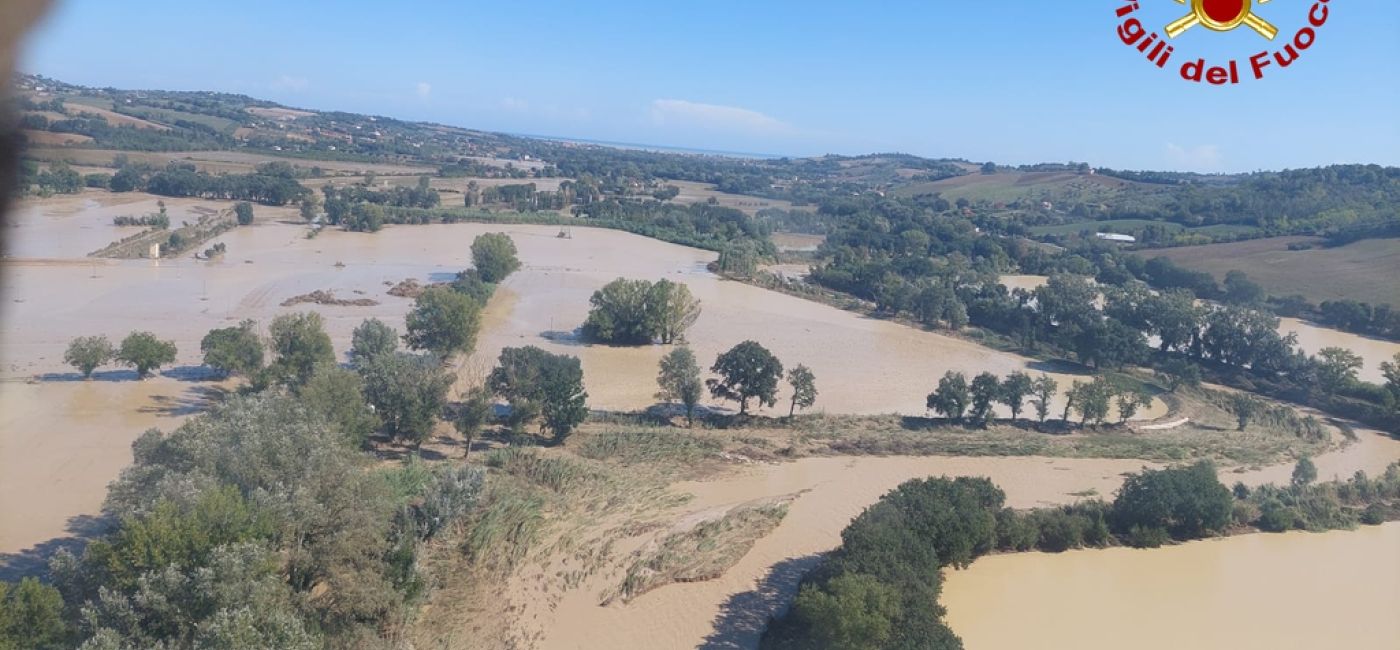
(289, 82)
(424, 89)
(1203, 158)
(668, 112)
(515, 104)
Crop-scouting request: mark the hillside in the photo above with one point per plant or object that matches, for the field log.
(224, 133)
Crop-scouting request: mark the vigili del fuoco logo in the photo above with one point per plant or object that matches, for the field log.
(1222, 16)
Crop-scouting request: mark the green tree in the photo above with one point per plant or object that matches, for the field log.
(747, 371)
(470, 284)
(1337, 368)
(372, 339)
(1240, 290)
(739, 259)
(337, 395)
(31, 617)
(851, 612)
(233, 350)
(243, 210)
(299, 344)
(144, 352)
(622, 313)
(1188, 502)
(533, 380)
(1245, 407)
(444, 322)
(804, 389)
(88, 353)
(1129, 401)
(1178, 372)
(1044, 390)
(364, 217)
(1304, 473)
(177, 533)
(1092, 401)
(1174, 317)
(1014, 391)
(310, 208)
(985, 389)
(494, 256)
(408, 392)
(679, 379)
(672, 310)
(952, 396)
(472, 415)
(1391, 371)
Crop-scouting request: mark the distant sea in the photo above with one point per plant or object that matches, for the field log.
(655, 147)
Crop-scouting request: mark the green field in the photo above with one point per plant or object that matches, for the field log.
(1116, 225)
(1005, 187)
(168, 116)
(1131, 225)
(159, 115)
(1365, 270)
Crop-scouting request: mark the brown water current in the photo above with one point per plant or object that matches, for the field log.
(1295, 591)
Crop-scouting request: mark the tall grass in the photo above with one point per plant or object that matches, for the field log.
(556, 473)
(507, 529)
(647, 446)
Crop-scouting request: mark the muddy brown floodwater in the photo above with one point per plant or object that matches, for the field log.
(1302, 591)
(1373, 351)
(53, 294)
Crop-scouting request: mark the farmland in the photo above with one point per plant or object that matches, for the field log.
(1363, 270)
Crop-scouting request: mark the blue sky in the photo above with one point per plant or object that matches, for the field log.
(1014, 81)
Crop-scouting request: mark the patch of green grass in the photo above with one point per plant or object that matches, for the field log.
(410, 479)
(83, 100)
(649, 446)
(169, 116)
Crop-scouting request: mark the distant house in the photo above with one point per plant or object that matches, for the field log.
(1113, 236)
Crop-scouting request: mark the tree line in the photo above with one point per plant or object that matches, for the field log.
(910, 260)
(880, 588)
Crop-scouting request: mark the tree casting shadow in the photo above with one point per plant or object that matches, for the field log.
(34, 561)
(744, 616)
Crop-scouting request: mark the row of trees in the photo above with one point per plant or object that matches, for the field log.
(360, 207)
(748, 371)
(142, 351)
(910, 257)
(638, 312)
(958, 399)
(182, 179)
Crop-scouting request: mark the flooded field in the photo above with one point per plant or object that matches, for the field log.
(55, 431)
(52, 294)
(61, 442)
(1313, 338)
(1300, 591)
(730, 612)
